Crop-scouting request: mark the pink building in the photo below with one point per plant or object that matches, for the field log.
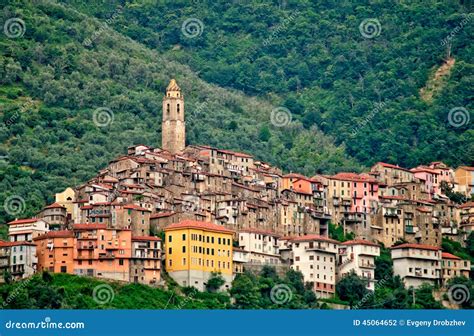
(444, 173)
(428, 177)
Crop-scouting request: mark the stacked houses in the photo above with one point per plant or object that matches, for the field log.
(225, 211)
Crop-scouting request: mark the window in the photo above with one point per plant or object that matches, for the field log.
(184, 249)
(121, 262)
(184, 261)
(170, 250)
(184, 236)
(170, 239)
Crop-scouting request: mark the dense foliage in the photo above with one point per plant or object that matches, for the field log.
(311, 57)
(51, 82)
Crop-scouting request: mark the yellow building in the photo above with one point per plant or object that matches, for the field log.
(195, 249)
(66, 199)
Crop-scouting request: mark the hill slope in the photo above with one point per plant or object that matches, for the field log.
(322, 61)
(51, 84)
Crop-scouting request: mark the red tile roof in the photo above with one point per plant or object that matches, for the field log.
(146, 238)
(352, 177)
(135, 207)
(467, 205)
(56, 234)
(23, 221)
(259, 231)
(312, 237)
(417, 246)
(191, 224)
(91, 226)
(389, 165)
(360, 242)
(4, 243)
(162, 214)
(466, 168)
(54, 205)
(446, 255)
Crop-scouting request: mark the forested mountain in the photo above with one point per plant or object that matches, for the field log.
(353, 99)
(321, 60)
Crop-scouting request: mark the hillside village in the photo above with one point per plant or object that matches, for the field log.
(223, 212)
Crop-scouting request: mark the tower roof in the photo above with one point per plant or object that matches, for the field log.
(173, 86)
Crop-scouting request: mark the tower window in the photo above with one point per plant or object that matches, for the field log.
(168, 108)
(178, 108)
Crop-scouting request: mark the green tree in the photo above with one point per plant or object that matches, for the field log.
(215, 282)
(351, 288)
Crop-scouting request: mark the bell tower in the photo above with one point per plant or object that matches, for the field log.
(173, 126)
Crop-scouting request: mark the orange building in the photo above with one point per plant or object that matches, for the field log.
(102, 252)
(55, 251)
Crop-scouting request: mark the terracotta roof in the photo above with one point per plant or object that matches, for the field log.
(466, 168)
(312, 237)
(360, 242)
(191, 224)
(259, 231)
(389, 165)
(146, 238)
(135, 207)
(162, 214)
(446, 255)
(467, 205)
(91, 226)
(54, 205)
(352, 177)
(56, 234)
(417, 246)
(4, 243)
(423, 210)
(24, 221)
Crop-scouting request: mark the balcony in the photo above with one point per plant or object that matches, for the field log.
(105, 256)
(411, 229)
(390, 213)
(85, 257)
(316, 248)
(366, 265)
(86, 247)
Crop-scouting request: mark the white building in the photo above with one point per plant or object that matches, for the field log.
(26, 229)
(358, 256)
(417, 264)
(239, 258)
(315, 257)
(23, 259)
(262, 246)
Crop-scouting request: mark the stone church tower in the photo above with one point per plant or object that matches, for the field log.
(173, 127)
